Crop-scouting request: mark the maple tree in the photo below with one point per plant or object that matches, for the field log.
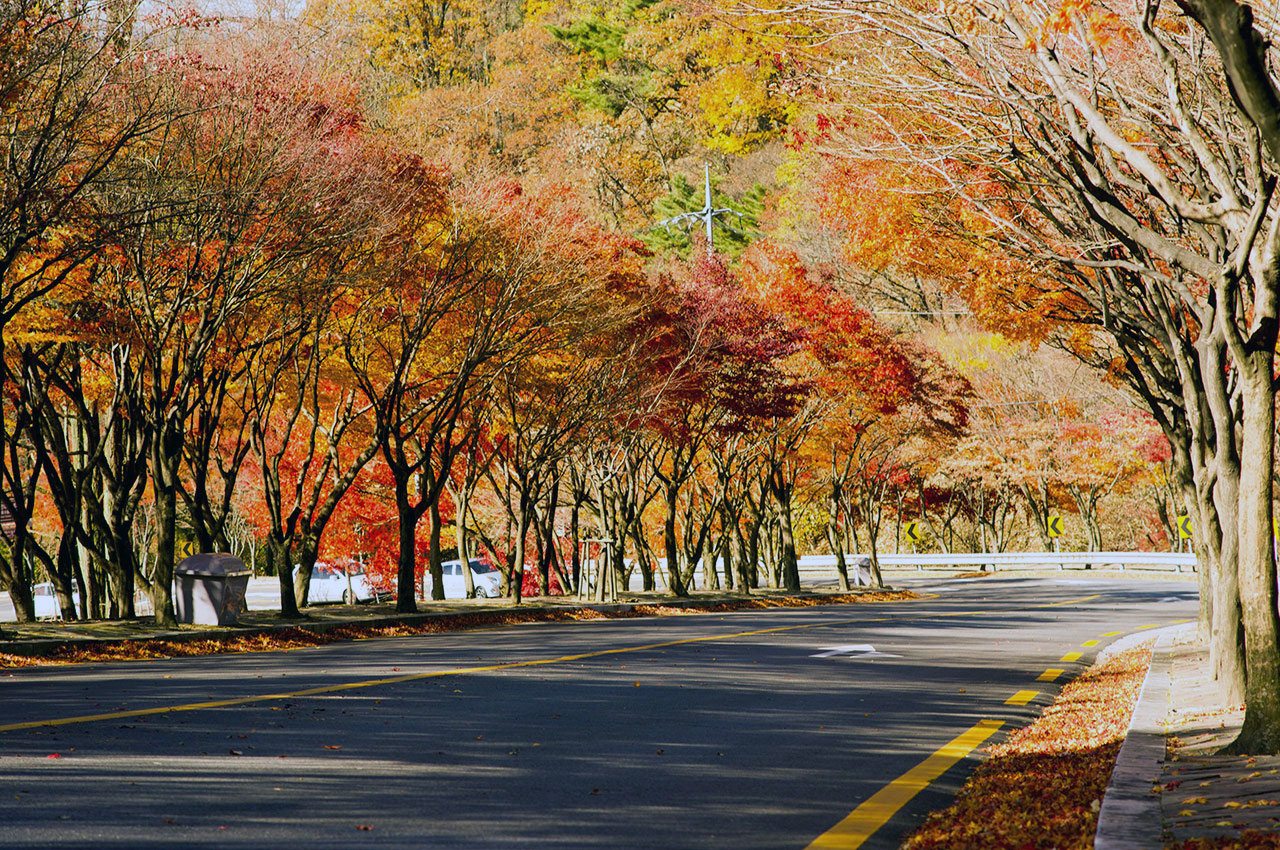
(71, 102)
(870, 393)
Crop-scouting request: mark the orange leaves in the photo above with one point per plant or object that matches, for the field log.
(1101, 25)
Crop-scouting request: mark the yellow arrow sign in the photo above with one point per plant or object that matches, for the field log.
(913, 531)
(1184, 526)
(1055, 526)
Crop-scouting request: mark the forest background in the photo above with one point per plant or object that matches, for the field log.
(384, 282)
(381, 282)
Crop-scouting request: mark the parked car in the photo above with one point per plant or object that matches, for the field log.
(331, 583)
(46, 601)
(484, 575)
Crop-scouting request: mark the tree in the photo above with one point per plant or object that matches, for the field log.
(1070, 144)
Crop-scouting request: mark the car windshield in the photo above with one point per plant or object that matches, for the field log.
(481, 567)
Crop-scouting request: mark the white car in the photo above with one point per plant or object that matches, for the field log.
(46, 601)
(484, 575)
(334, 584)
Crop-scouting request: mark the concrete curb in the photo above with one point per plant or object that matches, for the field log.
(1130, 817)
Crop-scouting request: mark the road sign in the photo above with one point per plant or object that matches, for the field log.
(1055, 526)
(7, 523)
(1184, 526)
(913, 531)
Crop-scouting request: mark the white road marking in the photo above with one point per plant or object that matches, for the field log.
(853, 650)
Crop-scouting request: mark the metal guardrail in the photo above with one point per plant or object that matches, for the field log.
(1161, 561)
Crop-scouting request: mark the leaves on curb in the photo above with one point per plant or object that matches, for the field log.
(1041, 788)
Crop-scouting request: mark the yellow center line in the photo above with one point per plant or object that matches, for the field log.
(1070, 656)
(863, 821)
(413, 677)
(1050, 675)
(460, 671)
(1021, 698)
(1090, 643)
(1111, 634)
(1045, 605)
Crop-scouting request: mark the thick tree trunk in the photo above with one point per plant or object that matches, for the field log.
(435, 561)
(164, 486)
(407, 557)
(834, 541)
(790, 579)
(307, 553)
(278, 554)
(1218, 513)
(1261, 729)
(575, 532)
(672, 550)
(517, 565)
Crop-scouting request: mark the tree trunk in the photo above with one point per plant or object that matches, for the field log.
(1218, 512)
(407, 556)
(437, 570)
(461, 499)
(517, 565)
(834, 541)
(164, 486)
(790, 566)
(674, 579)
(1261, 730)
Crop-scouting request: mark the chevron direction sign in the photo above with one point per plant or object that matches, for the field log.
(1184, 526)
(913, 531)
(1055, 526)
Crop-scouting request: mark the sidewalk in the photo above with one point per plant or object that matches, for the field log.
(1199, 794)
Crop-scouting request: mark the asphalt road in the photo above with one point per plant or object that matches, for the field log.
(746, 730)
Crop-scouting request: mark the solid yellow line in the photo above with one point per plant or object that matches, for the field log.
(1021, 698)
(885, 803)
(1046, 605)
(462, 671)
(1050, 674)
(413, 677)
(1090, 643)
(1070, 656)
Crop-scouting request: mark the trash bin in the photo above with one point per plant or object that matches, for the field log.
(861, 572)
(210, 589)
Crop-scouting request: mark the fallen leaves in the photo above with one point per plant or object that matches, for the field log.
(1042, 787)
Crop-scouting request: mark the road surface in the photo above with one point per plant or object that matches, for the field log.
(760, 729)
